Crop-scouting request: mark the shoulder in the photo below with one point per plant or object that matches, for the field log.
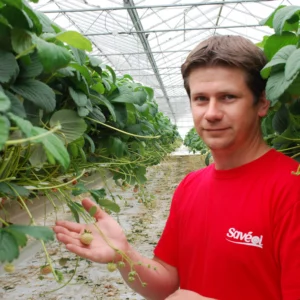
(196, 176)
(284, 169)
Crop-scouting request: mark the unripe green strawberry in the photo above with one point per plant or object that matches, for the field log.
(86, 237)
(46, 270)
(9, 268)
(132, 273)
(62, 261)
(121, 264)
(131, 279)
(111, 267)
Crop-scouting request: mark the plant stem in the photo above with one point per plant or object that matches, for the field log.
(20, 141)
(131, 134)
(3, 222)
(26, 51)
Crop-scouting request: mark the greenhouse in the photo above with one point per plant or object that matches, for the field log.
(123, 138)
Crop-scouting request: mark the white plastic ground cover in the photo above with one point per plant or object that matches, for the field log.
(143, 226)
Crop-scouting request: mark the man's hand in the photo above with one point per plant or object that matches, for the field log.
(187, 295)
(98, 251)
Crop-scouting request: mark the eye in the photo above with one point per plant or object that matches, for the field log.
(200, 98)
(229, 97)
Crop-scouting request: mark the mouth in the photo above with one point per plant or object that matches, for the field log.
(215, 129)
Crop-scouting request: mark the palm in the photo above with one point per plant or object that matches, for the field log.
(108, 236)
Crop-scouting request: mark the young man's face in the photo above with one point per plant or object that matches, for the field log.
(223, 108)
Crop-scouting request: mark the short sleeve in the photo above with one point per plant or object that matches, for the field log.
(167, 247)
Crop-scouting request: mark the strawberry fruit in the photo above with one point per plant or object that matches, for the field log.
(9, 268)
(111, 267)
(46, 270)
(86, 237)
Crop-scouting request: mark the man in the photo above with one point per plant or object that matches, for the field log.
(234, 227)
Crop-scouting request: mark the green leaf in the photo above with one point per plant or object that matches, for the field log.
(36, 26)
(4, 21)
(75, 39)
(13, 190)
(38, 232)
(128, 77)
(33, 69)
(9, 249)
(269, 20)
(150, 92)
(93, 211)
(98, 87)
(286, 14)
(138, 97)
(95, 62)
(82, 111)
(276, 86)
(292, 67)
(74, 209)
(112, 72)
(101, 100)
(83, 70)
(52, 57)
(4, 102)
(45, 22)
(116, 146)
(79, 189)
(79, 98)
(121, 114)
(79, 55)
(24, 125)
(276, 42)
(38, 156)
(4, 130)
(106, 203)
(91, 142)
(281, 119)
(20, 238)
(294, 88)
(9, 68)
(16, 107)
(72, 126)
(54, 145)
(280, 58)
(207, 158)
(21, 41)
(266, 124)
(17, 17)
(16, 3)
(37, 92)
(140, 175)
(97, 114)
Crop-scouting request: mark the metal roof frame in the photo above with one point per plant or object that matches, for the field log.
(149, 39)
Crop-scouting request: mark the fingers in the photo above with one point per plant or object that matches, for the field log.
(88, 204)
(60, 229)
(67, 239)
(79, 250)
(71, 226)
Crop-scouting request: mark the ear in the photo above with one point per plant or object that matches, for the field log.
(263, 105)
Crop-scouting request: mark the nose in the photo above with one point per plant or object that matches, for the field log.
(213, 111)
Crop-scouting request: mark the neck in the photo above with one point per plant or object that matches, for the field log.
(229, 158)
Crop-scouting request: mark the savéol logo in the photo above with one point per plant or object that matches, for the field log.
(238, 237)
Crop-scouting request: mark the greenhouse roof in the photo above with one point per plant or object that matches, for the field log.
(150, 39)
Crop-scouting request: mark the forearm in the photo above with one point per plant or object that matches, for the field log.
(153, 280)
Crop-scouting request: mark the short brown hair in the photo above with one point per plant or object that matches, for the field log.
(228, 51)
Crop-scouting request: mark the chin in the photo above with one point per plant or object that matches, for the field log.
(215, 146)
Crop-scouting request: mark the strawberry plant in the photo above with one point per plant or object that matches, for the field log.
(196, 144)
(64, 114)
(281, 128)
